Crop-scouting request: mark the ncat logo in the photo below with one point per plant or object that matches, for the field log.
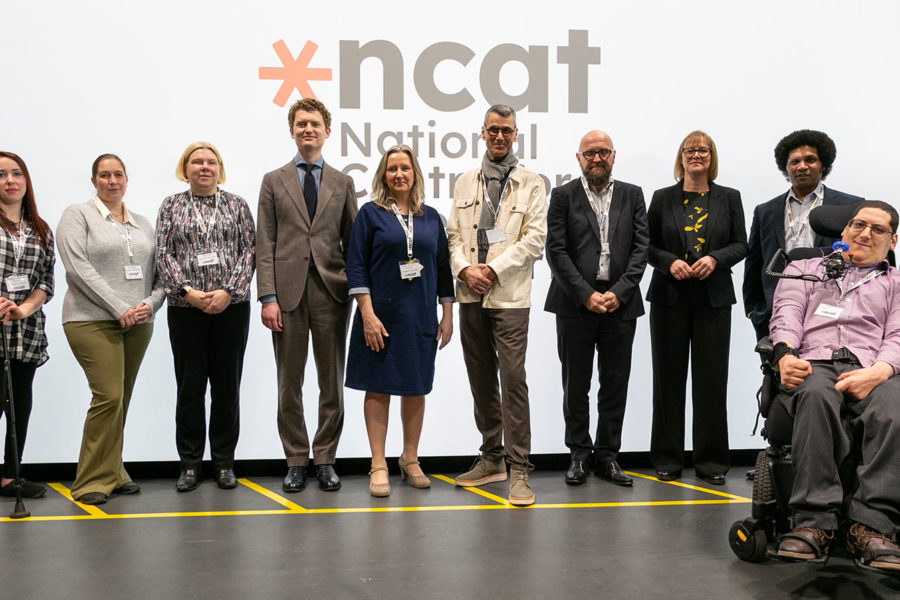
(576, 57)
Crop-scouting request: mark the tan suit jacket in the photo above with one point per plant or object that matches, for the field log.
(286, 241)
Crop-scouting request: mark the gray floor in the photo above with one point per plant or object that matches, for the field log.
(450, 548)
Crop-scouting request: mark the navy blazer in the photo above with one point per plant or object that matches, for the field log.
(766, 237)
(573, 249)
(726, 241)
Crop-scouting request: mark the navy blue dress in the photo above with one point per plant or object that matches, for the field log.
(406, 308)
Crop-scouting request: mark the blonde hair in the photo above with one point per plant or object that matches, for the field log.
(381, 194)
(181, 167)
(713, 171)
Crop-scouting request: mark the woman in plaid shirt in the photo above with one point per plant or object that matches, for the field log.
(205, 245)
(26, 261)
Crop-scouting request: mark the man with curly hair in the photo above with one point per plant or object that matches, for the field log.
(805, 157)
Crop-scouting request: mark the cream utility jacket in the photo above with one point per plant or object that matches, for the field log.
(522, 215)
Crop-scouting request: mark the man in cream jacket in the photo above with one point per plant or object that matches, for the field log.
(496, 231)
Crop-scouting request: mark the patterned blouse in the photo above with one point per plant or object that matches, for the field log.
(27, 340)
(696, 210)
(189, 226)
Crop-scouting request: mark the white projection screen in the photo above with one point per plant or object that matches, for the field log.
(143, 80)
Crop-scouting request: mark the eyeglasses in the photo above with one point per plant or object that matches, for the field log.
(603, 153)
(857, 226)
(494, 131)
(701, 152)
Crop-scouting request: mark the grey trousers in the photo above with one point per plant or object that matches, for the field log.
(493, 340)
(820, 444)
(320, 316)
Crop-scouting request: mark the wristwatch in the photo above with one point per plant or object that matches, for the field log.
(184, 291)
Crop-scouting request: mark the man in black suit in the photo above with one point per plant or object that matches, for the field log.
(597, 243)
(805, 157)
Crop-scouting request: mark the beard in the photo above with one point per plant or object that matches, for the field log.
(597, 175)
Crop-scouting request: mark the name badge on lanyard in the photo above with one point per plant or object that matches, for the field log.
(207, 259)
(409, 268)
(17, 283)
(134, 272)
(494, 234)
(827, 310)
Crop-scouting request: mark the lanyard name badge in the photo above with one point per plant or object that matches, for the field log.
(602, 217)
(18, 282)
(206, 259)
(804, 218)
(132, 271)
(411, 267)
(493, 234)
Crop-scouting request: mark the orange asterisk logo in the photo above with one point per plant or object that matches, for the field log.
(295, 74)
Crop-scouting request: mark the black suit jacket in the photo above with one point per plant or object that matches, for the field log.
(726, 241)
(573, 249)
(766, 237)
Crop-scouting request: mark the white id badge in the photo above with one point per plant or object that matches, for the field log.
(832, 312)
(134, 272)
(495, 235)
(411, 269)
(208, 259)
(17, 283)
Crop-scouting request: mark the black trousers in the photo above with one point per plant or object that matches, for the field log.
(577, 340)
(208, 348)
(22, 374)
(694, 331)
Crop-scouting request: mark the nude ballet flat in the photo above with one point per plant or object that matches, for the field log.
(379, 490)
(417, 481)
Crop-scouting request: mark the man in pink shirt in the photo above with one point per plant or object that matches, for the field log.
(838, 353)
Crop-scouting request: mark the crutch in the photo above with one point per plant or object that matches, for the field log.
(6, 394)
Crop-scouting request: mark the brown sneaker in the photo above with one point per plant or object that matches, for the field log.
(873, 550)
(806, 544)
(483, 471)
(520, 492)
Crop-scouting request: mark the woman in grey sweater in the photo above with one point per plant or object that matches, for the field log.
(113, 291)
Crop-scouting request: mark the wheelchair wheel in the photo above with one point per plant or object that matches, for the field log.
(763, 489)
(748, 544)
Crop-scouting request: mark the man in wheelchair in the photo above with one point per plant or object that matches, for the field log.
(837, 352)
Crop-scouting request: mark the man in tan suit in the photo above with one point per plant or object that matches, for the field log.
(306, 210)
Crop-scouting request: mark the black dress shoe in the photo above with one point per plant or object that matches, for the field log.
(668, 475)
(713, 478)
(189, 480)
(612, 472)
(93, 498)
(577, 473)
(127, 488)
(295, 480)
(328, 479)
(30, 489)
(225, 479)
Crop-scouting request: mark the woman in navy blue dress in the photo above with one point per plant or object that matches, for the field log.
(398, 269)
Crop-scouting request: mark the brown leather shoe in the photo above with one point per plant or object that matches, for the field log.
(873, 550)
(806, 544)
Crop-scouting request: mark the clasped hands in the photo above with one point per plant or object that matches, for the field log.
(212, 303)
(856, 384)
(606, 302)
(135, 315)
(478, 278)
(701, 269)
(10, 310)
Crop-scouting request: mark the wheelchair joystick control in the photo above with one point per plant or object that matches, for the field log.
(835, 265)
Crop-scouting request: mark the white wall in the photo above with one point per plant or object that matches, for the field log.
(144, 80)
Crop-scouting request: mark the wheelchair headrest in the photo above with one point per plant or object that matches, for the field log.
(829, 220)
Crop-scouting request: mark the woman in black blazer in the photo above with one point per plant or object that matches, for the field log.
(696, 235)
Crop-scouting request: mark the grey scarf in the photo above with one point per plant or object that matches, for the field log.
(495, 173)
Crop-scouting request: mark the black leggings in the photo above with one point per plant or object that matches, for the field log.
(22, 374)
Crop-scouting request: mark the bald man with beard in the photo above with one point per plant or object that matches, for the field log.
(597, 244)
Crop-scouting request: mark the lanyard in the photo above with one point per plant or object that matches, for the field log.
(804, 216)
(602, 218)
(18, 240)
(204, 228)
(487, 201)
(865, 279)
(125, 231)
(408, 230)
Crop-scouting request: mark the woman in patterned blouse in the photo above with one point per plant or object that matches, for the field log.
(110, 257)
(26, 261)
(205, 244)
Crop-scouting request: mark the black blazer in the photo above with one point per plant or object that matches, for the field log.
(573, 249)
(726, 241)
(766, 237)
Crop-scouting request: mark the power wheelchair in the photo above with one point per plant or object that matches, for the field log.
(755, 538)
